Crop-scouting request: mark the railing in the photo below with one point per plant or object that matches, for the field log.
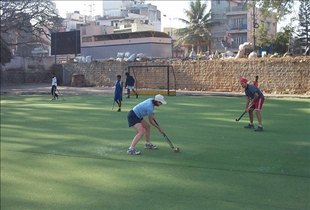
(238, 27)
(87, 39)
(235, 9)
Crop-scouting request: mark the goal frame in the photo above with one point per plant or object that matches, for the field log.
(154, 66)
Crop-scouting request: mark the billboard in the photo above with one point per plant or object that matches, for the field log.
(66, 43)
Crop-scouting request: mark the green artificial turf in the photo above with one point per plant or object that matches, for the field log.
(72, 155)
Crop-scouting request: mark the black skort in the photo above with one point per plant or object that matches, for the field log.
(133, 118)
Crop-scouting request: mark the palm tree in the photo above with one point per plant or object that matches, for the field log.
(198, 28)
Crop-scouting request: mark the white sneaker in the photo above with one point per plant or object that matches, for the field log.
(149, 146)
(133, 151)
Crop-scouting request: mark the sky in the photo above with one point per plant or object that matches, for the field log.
(164, 6)
(169, 8)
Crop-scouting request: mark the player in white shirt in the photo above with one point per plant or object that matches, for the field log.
(54, 87)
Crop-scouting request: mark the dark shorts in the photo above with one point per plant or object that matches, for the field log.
(133, 118)
(118, 96)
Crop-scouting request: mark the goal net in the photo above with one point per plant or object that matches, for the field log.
(153, 77)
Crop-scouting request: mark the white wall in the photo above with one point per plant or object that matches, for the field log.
(27, 63)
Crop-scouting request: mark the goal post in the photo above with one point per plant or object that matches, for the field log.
(153, 77)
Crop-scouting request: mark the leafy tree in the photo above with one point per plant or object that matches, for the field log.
(281, 8)
(296, 47)
(22, 21)
(281, 40)
(199, 25)
(262, 37)
(304, 23)
(6, 54)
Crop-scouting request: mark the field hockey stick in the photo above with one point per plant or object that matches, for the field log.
(60, 95)
(243, 114)
(168, 140)
(113, 104)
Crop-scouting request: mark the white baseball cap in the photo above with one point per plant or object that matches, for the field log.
(160, 98)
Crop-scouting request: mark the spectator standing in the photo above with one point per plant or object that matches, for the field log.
(54, 87)
(255, 82)
(118, 93)
(130, 85)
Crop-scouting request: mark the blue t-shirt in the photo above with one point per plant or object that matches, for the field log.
(145, 108)
(251, 90)
(118, 90)
(118, 86)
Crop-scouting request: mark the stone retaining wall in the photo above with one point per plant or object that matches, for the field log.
(290, 75)
(26, 70)
(282, 75)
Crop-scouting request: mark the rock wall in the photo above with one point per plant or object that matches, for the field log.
(26, 70)
(282, 75)
(289, 75)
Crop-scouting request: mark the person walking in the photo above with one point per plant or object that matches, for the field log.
(254, 101)
(118, 93)
(135, 119)
(54, 87)
(130, 85)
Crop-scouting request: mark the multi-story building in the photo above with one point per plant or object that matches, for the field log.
(131, 15)
(152, 44)
(238, 24)
(130, 23)
(117, 30)
(75, 20)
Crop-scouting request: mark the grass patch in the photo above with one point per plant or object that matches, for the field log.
(72, 155)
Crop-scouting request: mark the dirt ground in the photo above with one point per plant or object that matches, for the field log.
(43, 88)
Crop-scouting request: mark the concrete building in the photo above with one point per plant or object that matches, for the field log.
(153, 44)
(92, 29)
(124, 16)
(126, 26)
(75, 20)
(238, 25)
(130, 15)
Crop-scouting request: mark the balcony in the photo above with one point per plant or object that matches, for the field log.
(87, 39)
(237, 10)
(237, 28)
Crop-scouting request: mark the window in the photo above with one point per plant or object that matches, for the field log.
(238, 21)
(239, 40)
(268, 25)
